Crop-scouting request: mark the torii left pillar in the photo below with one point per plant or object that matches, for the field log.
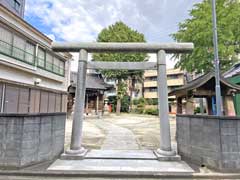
(165, 152)
(76, 148)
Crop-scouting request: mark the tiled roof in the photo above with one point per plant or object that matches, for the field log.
(93, 81)
(235, 70)
(200, 81)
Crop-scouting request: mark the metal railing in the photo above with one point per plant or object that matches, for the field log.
(26, 57)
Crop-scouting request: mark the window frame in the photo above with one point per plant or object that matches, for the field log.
(59, 66)
(52, 57)
(42, 58)
(28, 53)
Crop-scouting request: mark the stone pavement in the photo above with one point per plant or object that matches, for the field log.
(119, 138)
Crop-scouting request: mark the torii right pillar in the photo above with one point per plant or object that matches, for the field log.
(165, 152)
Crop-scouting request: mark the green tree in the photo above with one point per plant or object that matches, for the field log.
(120, 32)
(198, 29)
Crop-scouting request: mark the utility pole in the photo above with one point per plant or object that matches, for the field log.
(216, 61)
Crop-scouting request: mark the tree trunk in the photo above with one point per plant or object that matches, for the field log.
(118, 108)
(131, 92)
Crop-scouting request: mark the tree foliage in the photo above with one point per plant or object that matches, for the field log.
(120, 32)
(198, 29)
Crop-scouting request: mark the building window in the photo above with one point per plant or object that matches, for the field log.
(174, 76)
(5, 41)
(20, 49)
(41, 58)
(54, 64)
(15, 4)
(151, 89)
(49, 62)
(23, 50)
(29, 54)
(58, 66)
(154, 78)
(61, 68)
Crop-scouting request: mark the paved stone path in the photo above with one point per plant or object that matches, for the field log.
(117, 138)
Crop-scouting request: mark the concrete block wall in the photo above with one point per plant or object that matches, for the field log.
(210, 140)
(27, 139)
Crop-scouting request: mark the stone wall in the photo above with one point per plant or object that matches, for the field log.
(27, 139)
(210, 140)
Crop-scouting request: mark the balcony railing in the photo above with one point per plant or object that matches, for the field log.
(28, 58)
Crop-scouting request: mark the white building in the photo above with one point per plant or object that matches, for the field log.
(32, 77)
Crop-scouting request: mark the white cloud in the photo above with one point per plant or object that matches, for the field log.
(51, 36)
(82, 20)
(169, 60)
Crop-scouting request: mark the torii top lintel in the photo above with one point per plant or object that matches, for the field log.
(122, 47)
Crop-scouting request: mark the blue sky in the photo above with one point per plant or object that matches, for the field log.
(82, 20)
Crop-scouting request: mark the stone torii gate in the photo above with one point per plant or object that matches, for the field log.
(160, 49)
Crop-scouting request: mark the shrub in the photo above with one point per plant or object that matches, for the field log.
(197, 110)
(151, 111)
(135, 101)
(113, 101)
(153, 101)
(125, 103)
(141, 101)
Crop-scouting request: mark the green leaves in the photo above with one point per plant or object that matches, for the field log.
(122, 89)
(120, 32)
(198, 29)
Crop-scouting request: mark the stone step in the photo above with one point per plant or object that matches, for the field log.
(121, 154)
(120, 166)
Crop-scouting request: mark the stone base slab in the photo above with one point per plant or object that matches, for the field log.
(161, 157)
(73, 156)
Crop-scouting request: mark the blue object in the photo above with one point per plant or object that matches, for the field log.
(214, 110)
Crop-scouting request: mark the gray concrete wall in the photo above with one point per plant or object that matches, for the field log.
(30, 138)
(210, 140)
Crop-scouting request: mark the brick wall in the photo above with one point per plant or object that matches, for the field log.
(210, 140)
(30, 138)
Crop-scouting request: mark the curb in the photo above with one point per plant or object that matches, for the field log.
(122, 174)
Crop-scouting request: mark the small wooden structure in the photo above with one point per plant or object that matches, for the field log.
(94, 99)
(204, 87)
